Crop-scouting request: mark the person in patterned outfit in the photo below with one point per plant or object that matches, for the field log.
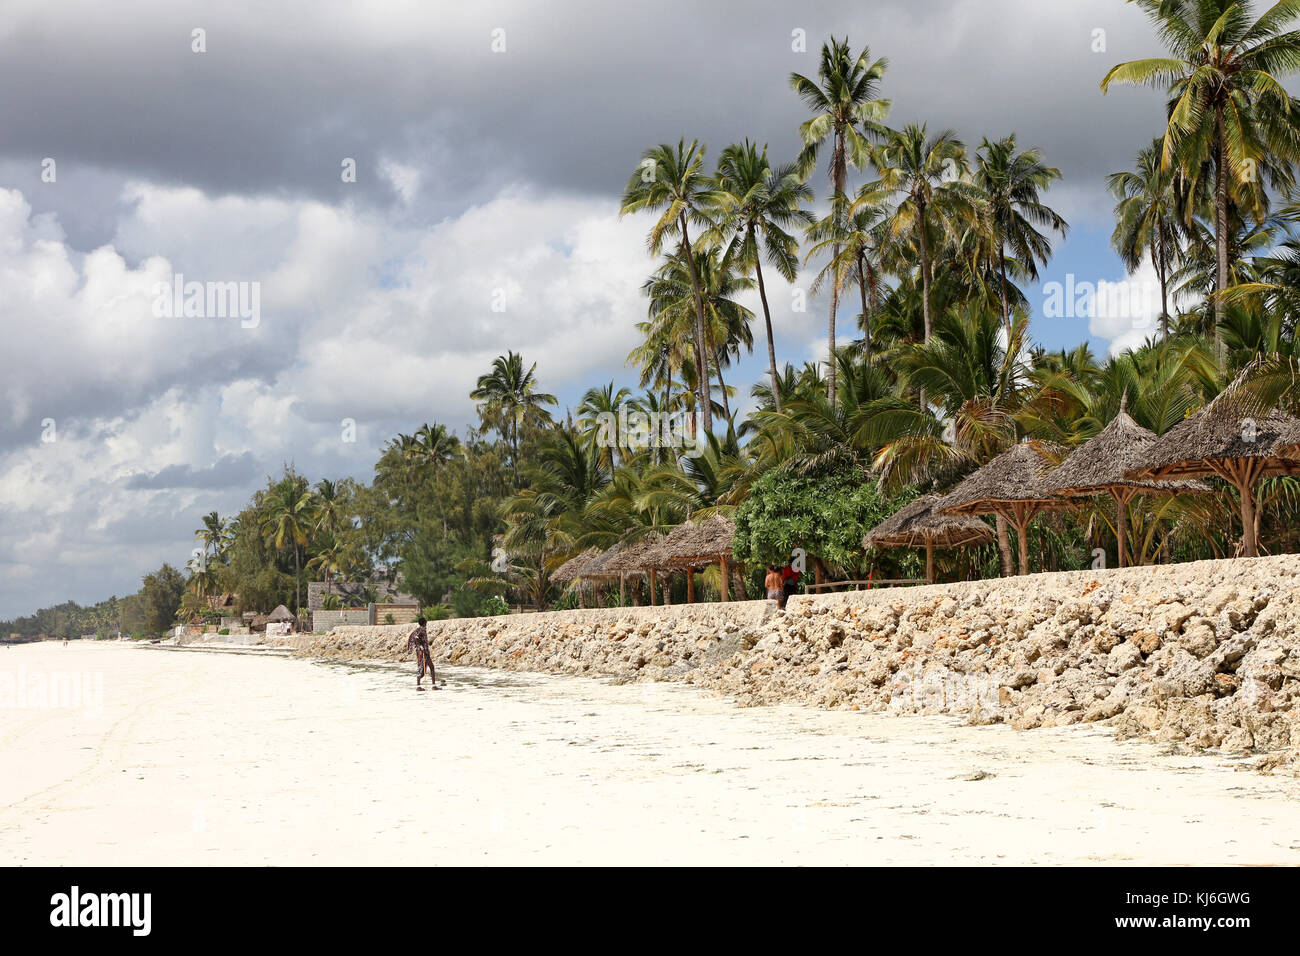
(419, 642)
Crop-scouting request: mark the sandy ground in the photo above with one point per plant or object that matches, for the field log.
(190, 757)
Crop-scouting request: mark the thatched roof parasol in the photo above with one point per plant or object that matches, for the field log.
(281, 613)
(631, 555)
(574, 567)
(694, 543)
(1101, 466)
(1231, 438)
(1012, 486)
(918, 524)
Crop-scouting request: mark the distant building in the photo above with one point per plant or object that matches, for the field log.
(352, 593)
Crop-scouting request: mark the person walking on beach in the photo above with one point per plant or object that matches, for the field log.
(772, 584)
(419, 642)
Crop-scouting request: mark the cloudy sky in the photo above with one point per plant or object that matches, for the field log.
(483, 217)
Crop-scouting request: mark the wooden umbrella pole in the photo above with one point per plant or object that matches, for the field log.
(653, 585)
(1122, 497)
(929, 561)
(1249, 471)
(726, 589)
(690, 585)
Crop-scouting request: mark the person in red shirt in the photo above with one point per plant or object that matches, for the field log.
(789, 581)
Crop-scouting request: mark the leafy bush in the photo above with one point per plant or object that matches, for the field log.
(389, 619)
(824, 514)
(224, 630)
(495, 605)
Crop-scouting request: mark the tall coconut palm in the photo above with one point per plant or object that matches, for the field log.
(857, 241)
(671, 181)
(598, 405)
(433, 446)
(848, 113)
(671, 292)
(924, 171)
(510, 398)
(288, 517)
(1227, 108)
(1147, 220)
(1010, 183)
(756, 204)
(331, 558)
(213, 534)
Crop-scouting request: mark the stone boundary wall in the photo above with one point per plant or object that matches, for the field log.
(1202, 655)
(322, 621)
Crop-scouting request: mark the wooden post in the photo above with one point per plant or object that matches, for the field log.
(929, 561)
(1122, 497)
(653, 585)
(690, 585)
(580, 597)
(726, 571)
(1246, 488)
(668, 586)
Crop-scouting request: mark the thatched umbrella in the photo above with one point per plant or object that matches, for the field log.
(1099, 466)
(1012, 486)
(1230, 438)
(572, 569)
(597, 570)
(918, 524)
(632, 556)
(696, 544)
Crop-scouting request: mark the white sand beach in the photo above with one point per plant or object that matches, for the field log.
(196, 757)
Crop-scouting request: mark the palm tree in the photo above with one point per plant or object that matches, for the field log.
(1010, 182)
(857, 242)
(671, 291)
(433, 446)
(288, 516)
(1227, 109)
(847, 111)
(331, 558)
(213, 534)
(1147, 220)
(510, 398)
(329, 518)
(756, 205)
(672, 182)
(598, 405)
(923, 171)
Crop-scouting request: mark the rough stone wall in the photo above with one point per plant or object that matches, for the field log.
(1206, 655)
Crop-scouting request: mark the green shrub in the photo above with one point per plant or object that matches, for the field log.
(389, 619)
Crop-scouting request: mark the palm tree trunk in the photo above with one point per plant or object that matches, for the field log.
(1006, 304)
(1220, 220)
(767, 318)
(297, 581)
(717, 361)
(830, 334)
(866, 314)
(925, 280)
(701, 361)
(1164, 280)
